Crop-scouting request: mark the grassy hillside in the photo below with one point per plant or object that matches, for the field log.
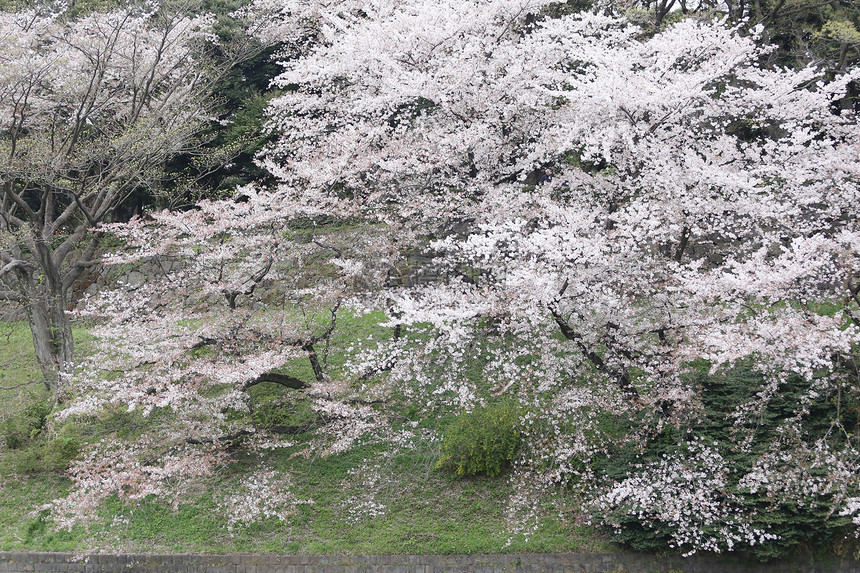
(374, 498)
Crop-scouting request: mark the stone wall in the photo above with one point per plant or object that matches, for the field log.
(525, 563)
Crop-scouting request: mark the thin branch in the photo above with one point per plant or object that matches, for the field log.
(21, 385)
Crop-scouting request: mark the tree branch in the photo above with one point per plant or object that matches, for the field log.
(21, 385)
(231, 295)
(622, 378)
(16, 264)
(12, 296)
(283, 379)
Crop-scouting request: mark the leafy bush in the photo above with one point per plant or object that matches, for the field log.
(482, 441)
(20, 429)
(34, 445)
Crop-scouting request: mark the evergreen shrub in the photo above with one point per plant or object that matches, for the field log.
(797, 523)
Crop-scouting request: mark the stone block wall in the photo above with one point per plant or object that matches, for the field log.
(11, 562)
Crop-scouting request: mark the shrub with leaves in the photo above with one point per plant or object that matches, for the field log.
(30, 443)
(20, 429)
(484, 440)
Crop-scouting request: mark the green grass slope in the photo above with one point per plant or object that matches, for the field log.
(371, 499)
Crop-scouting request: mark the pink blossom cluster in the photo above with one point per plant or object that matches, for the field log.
(262, 495)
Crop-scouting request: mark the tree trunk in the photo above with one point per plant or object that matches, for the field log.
(50, 326)
(52, 337)
(661, 8)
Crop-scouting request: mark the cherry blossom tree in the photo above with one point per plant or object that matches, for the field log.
(701, 207)
(90, 111)
(235, 298)
(617, 222)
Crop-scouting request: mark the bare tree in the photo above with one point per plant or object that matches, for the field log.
(90, 111)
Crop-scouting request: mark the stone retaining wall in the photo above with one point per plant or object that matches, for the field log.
(525, 563)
